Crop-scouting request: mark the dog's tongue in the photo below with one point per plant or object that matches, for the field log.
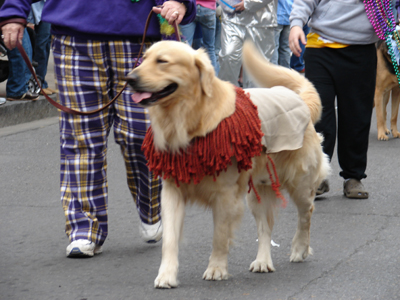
(137, 97)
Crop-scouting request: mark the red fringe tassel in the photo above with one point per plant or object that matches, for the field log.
(239, 135)
(275, 183)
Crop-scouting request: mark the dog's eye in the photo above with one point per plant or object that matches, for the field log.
(161, 61)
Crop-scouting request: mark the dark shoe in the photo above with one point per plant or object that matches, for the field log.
(323, 188)
(354, 189)
(29, 96)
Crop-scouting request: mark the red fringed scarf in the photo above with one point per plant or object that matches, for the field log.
(239, 135)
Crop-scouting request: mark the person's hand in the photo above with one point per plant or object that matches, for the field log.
(296, 35)
(11, 33)
(239, 7)
(171, 11)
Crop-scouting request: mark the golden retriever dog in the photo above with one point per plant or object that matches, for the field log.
(187, 102)
(386, 83)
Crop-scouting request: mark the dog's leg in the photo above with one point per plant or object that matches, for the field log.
(395, 111)
(263, 213)
(227, 213)
(381, 101)
(303, 197)
(173, 213)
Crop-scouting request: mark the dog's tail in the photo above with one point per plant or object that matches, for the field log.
(268, 75)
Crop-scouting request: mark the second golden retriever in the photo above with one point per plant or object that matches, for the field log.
(387, 85)
(186, 104)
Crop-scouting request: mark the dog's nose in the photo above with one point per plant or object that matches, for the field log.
(132, 78)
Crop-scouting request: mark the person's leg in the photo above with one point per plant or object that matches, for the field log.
(130, 126)
(275, 54)
(264, 39)
(284, 49)
(319, 72)
(187, 31)
(197, 37)
(19, 74)
(206, 17)
(355, 82)
(83, 84)
(230, 56)
(217, 42)
(42, 51)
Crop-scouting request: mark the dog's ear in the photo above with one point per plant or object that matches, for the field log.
(206, 71)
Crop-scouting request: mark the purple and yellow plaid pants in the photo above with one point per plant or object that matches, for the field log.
(88, 75)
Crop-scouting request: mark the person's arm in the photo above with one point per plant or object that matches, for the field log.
(180, 11)
(301, 12)
(18, 9)
(296, 35)
(13, 16)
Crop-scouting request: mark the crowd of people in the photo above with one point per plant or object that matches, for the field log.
(36, 41)
(93, 53)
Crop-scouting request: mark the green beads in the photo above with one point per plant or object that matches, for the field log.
(388, 37)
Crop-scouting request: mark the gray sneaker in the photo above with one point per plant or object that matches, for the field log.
(354, 189)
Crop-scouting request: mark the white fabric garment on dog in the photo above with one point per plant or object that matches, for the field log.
(284, 117)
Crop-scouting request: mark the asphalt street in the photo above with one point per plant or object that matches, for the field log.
(356, 242)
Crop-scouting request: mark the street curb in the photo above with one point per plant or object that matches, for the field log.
(17, 112)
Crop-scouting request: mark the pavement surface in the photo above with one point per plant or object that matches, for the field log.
(17, 112)
(356, 242)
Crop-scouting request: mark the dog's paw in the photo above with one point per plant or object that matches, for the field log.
(299, 254)
(382, 135)
(261, 267)
(165, 281)
(216, 273)
(395, 133)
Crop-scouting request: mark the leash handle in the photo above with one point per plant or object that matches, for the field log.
(54, 103)
(82, 113)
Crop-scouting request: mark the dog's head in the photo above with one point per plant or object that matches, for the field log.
(171, 70)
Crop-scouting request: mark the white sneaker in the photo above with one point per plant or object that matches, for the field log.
(151, 233)
(83, 248)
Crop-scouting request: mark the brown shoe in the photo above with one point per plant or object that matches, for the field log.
(48, 91)
(28, 96)
(354, 189)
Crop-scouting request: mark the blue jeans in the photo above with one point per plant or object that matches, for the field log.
(281, 55)
(206, 18)
(42, 50)
(17, 83)
(297, 63)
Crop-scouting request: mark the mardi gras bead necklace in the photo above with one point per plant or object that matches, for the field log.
(380, 15)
